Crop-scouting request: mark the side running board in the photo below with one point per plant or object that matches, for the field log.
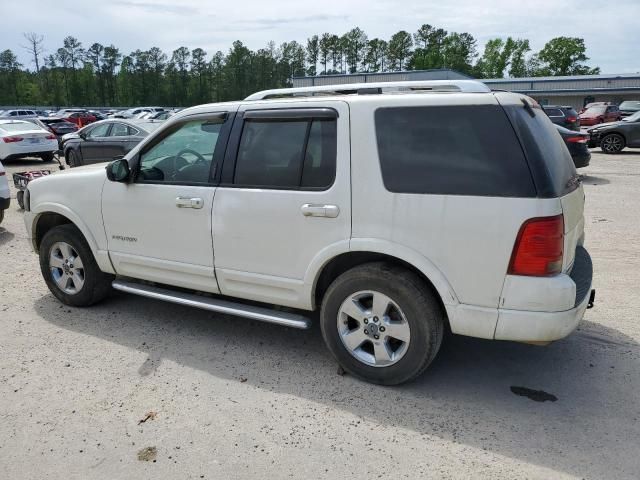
(213, 304)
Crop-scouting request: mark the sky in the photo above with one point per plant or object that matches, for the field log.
(612, 35)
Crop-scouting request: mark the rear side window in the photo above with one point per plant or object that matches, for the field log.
(551, 165)
(451, 150)
(289, 154)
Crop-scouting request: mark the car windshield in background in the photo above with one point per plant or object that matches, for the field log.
(18, 127)
(630, 105)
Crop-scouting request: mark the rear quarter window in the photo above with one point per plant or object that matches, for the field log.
(451, 150)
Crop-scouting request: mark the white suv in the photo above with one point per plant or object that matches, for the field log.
(397, 210)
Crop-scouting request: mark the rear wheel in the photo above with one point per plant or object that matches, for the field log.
(69, 268)
(1, 215)
(73, 159)
(382, 323)
(612, 143)
(47, 157)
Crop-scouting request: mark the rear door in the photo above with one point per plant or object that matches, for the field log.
(284, 201)
(123, 138)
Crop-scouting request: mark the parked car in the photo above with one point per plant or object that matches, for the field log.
(614, 137)
(367, 207)
(160, 115)
(565, 116)
(629, 107)
(103, 141)
(98, 115)
(19, 139)
(18, 114)
(594, 104)
(134, 112)
(600, 114)
(59, 127)
(577, 144)
(81, 119)
(5, 195)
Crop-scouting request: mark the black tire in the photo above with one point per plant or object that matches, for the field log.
(73, 159)
(47, 157)
(97, 284)
(20, 198)
(612, 143)
(411, 294)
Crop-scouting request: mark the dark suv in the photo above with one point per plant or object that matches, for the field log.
(564, 116)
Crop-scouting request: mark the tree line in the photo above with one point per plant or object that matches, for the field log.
(103, 75)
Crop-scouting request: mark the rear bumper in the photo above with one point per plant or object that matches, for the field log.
(534, 326)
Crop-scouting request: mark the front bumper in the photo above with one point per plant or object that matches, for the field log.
(535, 326)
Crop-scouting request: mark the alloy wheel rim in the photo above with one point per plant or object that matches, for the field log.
(612, 143)
(373, 328)
(67, 269)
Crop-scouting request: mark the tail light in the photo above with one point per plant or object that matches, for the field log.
(51, 137)
(12, 139)
(571, 119)
(576, 139)
(539, 247)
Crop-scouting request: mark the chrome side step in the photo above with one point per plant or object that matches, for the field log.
(213, 304)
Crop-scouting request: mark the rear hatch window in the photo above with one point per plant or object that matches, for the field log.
(551, 165)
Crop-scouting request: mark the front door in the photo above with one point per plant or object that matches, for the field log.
(284, 200)
(158, 226)
(96, 145)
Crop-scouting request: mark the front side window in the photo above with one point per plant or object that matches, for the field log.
(184, 155)
(99, 131)
(287, 154)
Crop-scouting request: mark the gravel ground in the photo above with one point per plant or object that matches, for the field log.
(224, 397)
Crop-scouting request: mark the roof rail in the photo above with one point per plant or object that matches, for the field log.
(419, 86)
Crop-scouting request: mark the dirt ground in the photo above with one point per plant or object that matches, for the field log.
(136, 388)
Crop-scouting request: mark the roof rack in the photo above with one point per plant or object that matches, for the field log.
(466, 86)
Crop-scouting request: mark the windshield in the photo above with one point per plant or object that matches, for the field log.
(630, 105)
(595, 110)
(632, 118)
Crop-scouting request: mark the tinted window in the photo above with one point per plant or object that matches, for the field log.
(13, 114)
(184, 155)
(287, 154)
(554, 112)
(550, 162)
(119, 130)
(99, 131)
(456, 150)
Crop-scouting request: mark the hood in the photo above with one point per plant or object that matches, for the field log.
(608, 124)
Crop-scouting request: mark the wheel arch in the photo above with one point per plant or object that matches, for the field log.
(376, 251)
(49, 216)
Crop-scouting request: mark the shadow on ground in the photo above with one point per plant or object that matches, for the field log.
(464, 397)
(593, 180)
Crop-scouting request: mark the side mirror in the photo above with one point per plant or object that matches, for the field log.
(118, 170)
(83, 135)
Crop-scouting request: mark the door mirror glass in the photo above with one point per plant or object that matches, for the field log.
(118, 170)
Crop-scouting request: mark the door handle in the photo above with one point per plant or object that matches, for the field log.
(315, 210)
(188, 202)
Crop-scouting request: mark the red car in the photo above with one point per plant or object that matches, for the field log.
(81, 119)
(600, 114)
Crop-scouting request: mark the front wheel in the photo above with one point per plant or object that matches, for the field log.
(69, 268)
(612, 143)
(73, 159)
(382, 323)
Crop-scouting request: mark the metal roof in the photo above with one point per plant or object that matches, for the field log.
(567, 78)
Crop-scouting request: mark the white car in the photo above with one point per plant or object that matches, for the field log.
(18, 114)
(396, 210)
(5, 195)
(19, 139)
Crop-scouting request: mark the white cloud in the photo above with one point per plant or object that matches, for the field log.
(611, 40)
